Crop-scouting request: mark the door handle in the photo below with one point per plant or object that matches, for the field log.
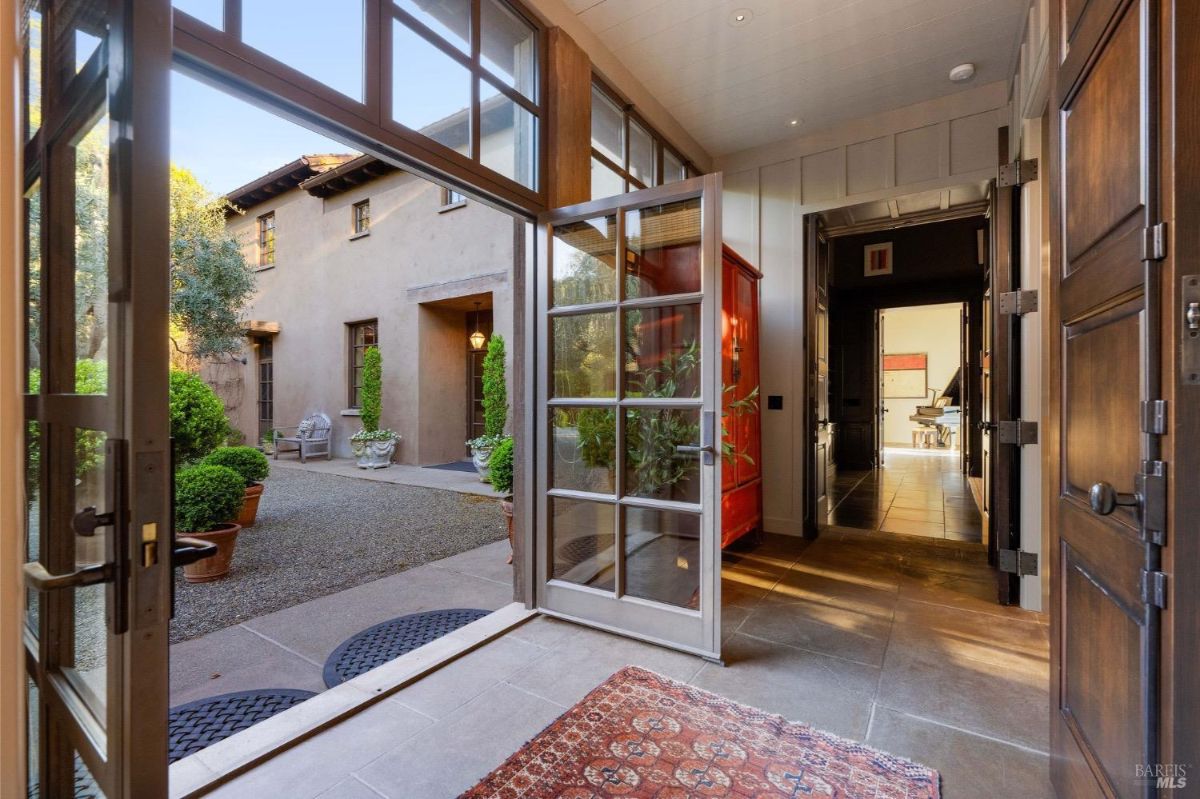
(189, 550)
(1104, 499)
(38, 578)
(708, 440)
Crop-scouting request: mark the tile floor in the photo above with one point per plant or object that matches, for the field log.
(890, 640)
(913, 493)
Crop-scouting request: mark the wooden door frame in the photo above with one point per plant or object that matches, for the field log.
(814, 242)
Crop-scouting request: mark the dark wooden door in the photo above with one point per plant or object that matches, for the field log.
(821, 455)
(1104, 367)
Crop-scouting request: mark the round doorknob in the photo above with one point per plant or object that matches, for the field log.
(1105, 499)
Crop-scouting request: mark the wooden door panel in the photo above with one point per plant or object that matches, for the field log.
(1104, 635)
(1103, 175)
(1094, 401)
(1100, 684)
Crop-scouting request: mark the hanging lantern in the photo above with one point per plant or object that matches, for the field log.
(477, 338)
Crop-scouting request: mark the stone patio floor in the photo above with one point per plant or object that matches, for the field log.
(889, 640)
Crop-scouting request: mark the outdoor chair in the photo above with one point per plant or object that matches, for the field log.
(311, 437)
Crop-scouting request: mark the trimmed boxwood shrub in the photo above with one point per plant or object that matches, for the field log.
(198, 424)
(251, 464)
(500, 467)
(207, 497)
(371, 395)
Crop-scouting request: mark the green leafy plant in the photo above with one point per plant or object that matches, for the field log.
(500, 466)
(91, 377)
(198, 423)
(251, 464)
(484, 442)
(206, 497)
(597, 436)
(372, 389)
(495, 394)
(381, 434)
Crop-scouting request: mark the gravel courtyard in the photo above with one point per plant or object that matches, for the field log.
(320, 533)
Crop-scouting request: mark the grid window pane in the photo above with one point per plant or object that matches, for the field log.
(673, 169)
(508, 142)
(449, 19)
(584, 259)
(275, 28)
(664, 249)
(662, 351)
(583, 356)
(431, 92)
(608, 127)
(662, 556)
(362, 336)
(266, 239)
(654, 466)
(91, 260)
(605, 182)
(583, 542)
(33, 73)
(362, 216)
(641, 153)
(509, 47)
(583, 444)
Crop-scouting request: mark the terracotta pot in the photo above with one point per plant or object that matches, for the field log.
(217, 566)
(506, 506)
(249, 511)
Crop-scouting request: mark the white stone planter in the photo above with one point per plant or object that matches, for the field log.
(480, 457)
(374, 454)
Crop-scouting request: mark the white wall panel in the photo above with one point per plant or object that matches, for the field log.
(918, 155)
(973, 142)
(821, 176)
(869, 165)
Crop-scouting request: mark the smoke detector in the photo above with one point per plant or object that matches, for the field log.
(962, 72)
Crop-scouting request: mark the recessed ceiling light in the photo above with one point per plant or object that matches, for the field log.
(962, 72)
(740, 16)
(794, 122)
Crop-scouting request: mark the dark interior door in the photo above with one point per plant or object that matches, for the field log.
(821, 457)
(1106, 522)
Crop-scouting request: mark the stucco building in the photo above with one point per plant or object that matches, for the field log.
(350, 252)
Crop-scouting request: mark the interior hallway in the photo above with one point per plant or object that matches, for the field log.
(888, 640)
(915, 492)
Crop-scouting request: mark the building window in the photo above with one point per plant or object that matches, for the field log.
(266, 387)
(362, 335)
(266, 239)
(451, 199)
(362, 217)
(628, 154)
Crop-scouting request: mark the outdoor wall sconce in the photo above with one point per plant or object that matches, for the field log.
(477, 338)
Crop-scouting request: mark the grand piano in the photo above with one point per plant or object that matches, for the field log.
(944, 416)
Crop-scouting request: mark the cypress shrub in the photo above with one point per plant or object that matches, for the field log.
(495, 395)
(372, 389)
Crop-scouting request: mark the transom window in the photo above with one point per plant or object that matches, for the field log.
(627, 153)
(362, 217)
(266, 239)
(362, 335)
(451, 199)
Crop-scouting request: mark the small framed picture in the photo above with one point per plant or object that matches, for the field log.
(877, 259)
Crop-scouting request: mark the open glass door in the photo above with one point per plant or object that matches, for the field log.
(628, 401)
(97, 448)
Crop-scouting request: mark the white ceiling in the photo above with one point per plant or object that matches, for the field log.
(819, 61)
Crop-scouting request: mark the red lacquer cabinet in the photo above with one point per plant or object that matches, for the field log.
(741, 473)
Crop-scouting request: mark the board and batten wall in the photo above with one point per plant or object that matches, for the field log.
(933, 145)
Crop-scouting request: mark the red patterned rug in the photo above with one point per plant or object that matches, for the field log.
(642, 735)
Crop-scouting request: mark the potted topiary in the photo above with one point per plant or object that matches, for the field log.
(495, 406)
(206, 498)
(500, 466)
(373, 446)
(253, 466)
(198, 423)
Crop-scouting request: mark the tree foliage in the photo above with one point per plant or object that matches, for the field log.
(210, 279)
(251, 464)
(372, 389)
(198, 423)
(495, 393)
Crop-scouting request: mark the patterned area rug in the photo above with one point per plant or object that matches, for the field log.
(642, 735)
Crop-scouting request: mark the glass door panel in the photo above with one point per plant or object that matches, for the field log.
(628, 394)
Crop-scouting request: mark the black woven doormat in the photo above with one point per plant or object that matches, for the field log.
(455, 466)
(389, 640)
(195, 725)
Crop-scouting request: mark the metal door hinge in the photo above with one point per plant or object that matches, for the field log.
(1017, 431)
(1154, 242)
(1018, 173)
(1154, 416)
(1017, 302)
(1018, 562)
(1154, 588)
(1152, 489)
